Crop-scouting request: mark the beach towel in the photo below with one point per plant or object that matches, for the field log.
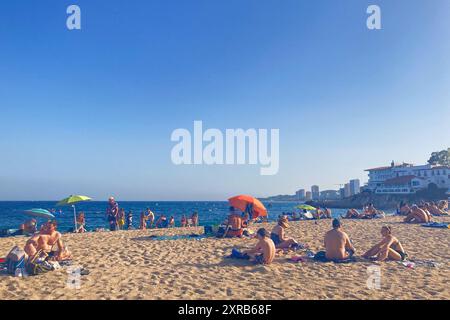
(440, 225)
(236, 254)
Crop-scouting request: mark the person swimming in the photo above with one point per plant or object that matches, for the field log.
(264, 251)
(389, 248)
(278, 237)
(337, 243)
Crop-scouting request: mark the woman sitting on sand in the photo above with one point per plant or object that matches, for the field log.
(278, 237)
(389, 248)
(29, 227)
(417, 215)
(46, 240)
(403, 209)
(234, 225)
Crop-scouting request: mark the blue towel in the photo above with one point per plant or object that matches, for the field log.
(436, 225)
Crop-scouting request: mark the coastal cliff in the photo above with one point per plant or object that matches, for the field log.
(382, 201)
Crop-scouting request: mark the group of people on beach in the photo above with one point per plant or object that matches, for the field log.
(422, 212)
(119, 220)
(338, 246)
(318, 213)
(369, 212)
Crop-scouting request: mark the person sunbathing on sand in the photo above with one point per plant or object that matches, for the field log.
(264, 251)
(352, 214)
(434, 209)
(417, 215)
(46, 240)
(389, 248)
(337, 243)
(278, 236)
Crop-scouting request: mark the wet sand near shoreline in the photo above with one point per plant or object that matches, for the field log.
(131, 265)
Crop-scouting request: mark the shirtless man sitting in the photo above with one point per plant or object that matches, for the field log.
(337, 243)
(264, 251)
(45, 240)
(417, 215)
(389, 248)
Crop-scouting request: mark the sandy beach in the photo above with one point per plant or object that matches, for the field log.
(130, 265)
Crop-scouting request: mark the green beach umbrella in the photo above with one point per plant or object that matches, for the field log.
(305, 207)
(71, 201)
(41, 213)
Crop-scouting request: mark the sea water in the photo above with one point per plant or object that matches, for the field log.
(210, 212)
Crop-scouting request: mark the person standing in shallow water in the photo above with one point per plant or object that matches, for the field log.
(112, 212)
(194, 219)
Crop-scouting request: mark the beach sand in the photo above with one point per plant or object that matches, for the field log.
(129, 265)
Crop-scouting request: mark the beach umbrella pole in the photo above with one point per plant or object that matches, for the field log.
(74, 218)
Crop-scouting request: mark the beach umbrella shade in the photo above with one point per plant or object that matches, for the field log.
(71, 201)
(306, 207)
(245, 202)
(40, 213)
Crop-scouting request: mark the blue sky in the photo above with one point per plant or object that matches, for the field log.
(91, 111)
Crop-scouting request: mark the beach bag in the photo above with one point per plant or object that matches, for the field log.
(38, 264)
(15, 260)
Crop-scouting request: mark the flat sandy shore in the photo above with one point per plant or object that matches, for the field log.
(130, 265)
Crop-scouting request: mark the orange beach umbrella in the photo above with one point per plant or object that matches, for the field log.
(253, 205)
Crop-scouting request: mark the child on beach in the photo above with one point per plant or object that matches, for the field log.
(183, 221)
(143, 221)
(171, 222)
(150, 218)
(81, 222)
(130, 220)
(162, 222)
(264, 251)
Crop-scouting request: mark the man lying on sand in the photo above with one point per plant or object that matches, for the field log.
(417, 215)
(278, 236)
(388, 249)
(264, 251)
(45, 240)
(337, 243)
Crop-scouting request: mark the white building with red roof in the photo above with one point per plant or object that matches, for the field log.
(406, 178)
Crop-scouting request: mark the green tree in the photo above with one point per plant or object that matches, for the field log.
(440, 157)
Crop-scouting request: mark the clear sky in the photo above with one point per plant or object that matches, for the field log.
(91, 111)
